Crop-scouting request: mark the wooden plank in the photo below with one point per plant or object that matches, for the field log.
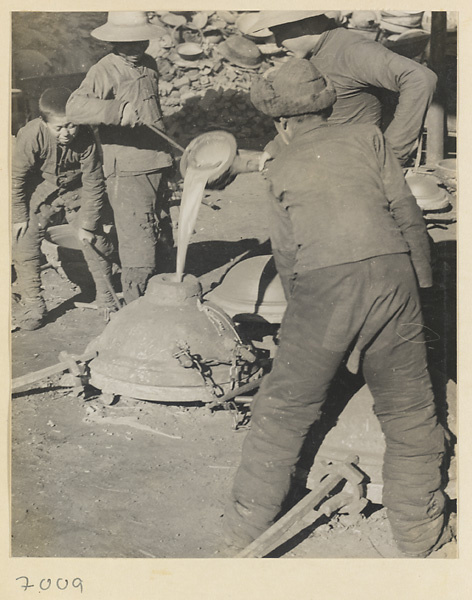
(30, 378)
(265, 542)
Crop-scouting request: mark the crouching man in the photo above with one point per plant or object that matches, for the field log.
(56, 173)
(351, 248)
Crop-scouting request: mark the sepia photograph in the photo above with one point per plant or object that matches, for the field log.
(233, 286)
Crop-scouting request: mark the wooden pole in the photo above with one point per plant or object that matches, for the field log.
(436, 117)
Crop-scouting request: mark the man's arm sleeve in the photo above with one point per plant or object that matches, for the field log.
(408, 216)
(415, 84)
(90, 104)
(93, 189)
(23, 162)
(282, 241)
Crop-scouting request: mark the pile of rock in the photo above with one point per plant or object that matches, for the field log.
(207, 90)
(229, 109)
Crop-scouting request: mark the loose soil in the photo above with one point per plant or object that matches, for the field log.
(143, 479)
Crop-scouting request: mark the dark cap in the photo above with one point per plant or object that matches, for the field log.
(296, 88)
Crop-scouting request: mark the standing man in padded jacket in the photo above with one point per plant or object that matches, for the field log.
(350, 245)
(120, 95)
(361, 70)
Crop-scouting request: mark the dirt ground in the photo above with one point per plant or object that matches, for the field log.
(142, 479)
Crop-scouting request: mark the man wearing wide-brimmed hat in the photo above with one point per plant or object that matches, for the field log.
(120, 95)
(350, 245)
(362, 70)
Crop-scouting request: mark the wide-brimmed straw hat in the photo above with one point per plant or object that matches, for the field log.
(400, 20)
(410, 43)
(296, 88)
(272, 18)
(428, 195)
(127, 26)
(245, 24)
(240, 51)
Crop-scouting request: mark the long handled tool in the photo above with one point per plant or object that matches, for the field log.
(67, 364)
(165, 137)
(271, 538)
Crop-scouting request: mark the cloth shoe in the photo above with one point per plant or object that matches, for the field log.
(448, 534)
(32, 316)
(105, 301)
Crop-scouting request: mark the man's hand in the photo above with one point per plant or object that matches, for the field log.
(86, 236)
(130, 117)
(19, 230)
(265, 156)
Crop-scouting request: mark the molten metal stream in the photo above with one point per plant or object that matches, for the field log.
(199, 171)
(194, 187)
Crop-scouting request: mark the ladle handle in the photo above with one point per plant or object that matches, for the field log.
(245, 163)
(166, 137)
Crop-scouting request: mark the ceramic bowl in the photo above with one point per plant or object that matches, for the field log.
(189, 50)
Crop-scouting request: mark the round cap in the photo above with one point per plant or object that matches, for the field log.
(240, 51)
(296, 88)
(127, 26)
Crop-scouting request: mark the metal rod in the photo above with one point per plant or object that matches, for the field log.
(240, 390)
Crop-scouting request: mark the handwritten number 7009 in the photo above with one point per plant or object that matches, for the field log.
(46, 584)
